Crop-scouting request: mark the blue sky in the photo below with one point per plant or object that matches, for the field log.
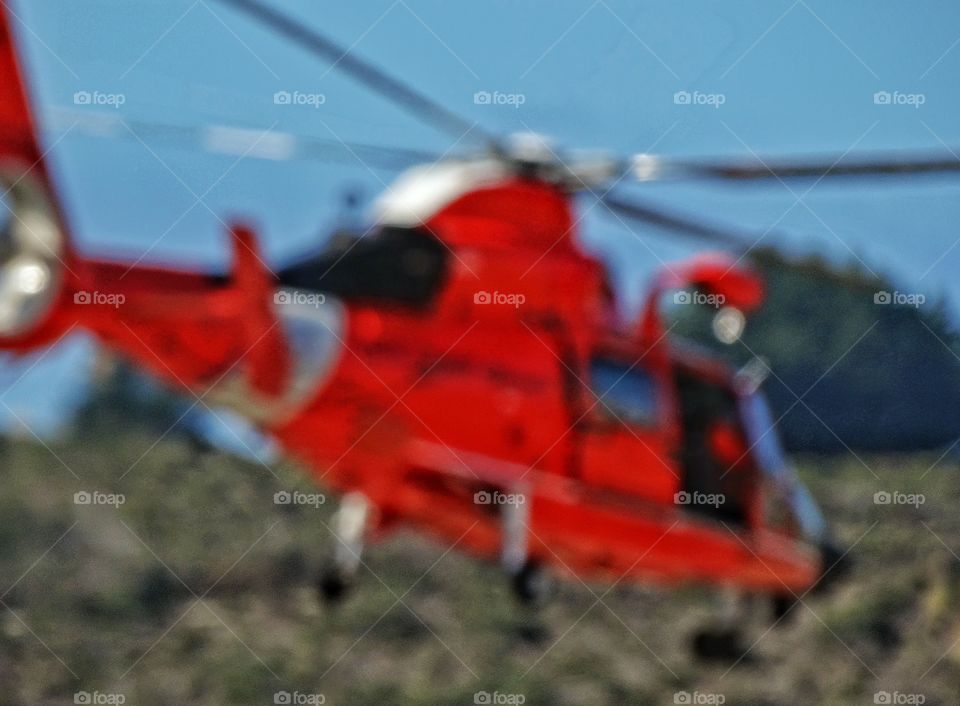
(794, 76)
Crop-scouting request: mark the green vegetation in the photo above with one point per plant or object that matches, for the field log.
(115, 598)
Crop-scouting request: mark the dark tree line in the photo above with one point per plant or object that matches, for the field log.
(872, 375)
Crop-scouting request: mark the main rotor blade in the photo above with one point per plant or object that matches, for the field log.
(416, 103)
(647, 167)
(272, 145)
(679, 224)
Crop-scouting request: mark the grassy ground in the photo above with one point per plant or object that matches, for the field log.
(198, 590)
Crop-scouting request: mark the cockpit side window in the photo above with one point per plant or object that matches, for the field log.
(625, 393)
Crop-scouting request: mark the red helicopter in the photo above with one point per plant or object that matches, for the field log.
(462, 368)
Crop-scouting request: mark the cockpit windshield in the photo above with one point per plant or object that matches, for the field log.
(760, 427)
(391, 265)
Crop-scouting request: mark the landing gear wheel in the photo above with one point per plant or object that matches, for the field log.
(781, 606)
(837, 564)
(333, 586)
(532, 585)
(349, 526)
(724, 645)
